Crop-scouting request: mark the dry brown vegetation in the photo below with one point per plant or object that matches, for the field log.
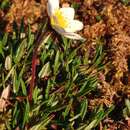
(106, 19)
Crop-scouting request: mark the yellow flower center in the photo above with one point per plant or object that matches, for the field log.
(58, 19)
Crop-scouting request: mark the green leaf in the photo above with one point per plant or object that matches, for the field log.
(68, 108)
(3, 43)
(11, 72)
(83, 110)
(126, 110)
(89, 85)
(24, 90)
(74, 118)
(57, 62)
(20, 51)
(16, 82)
(5, 39)
(1, 49)
(127, 103)
(45, 71)
(91, 125)
(75, 5)
(50, 84)
(21, 26)
(15, 115)
(4, 4)
(37, 95)
(30, 38)
(125, 2)
(99, 18)
(26, 114)
(41, 125)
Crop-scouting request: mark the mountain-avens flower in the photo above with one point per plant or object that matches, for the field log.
(62, 20)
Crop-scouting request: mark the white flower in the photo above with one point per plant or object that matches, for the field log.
(62, 20)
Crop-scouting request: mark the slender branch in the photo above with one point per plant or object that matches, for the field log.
(40, 36)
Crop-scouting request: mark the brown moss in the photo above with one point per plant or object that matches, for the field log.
(32, 11)
(115, 23)
(114, 28)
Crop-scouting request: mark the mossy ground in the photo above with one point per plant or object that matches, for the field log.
(76, 85)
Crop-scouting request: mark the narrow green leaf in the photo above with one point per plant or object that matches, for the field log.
(24, 90)
(5, 39)
(41, 125)
(91, 125)
(4, 4)
(57, 62)
(45, 71)
(20, 51)
(127, 102)
(83, 110)
(50, 84)
(11, 72)
(1, 49)
(16, 82)
(26, 114)
(74, 118)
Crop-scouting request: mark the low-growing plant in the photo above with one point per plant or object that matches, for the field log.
(63, 77)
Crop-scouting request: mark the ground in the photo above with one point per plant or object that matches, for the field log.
(106, 22)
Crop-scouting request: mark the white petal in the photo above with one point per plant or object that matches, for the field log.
(69, 35)
(52, 5)
(68, 12)
(73, 36)
(74, 26)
